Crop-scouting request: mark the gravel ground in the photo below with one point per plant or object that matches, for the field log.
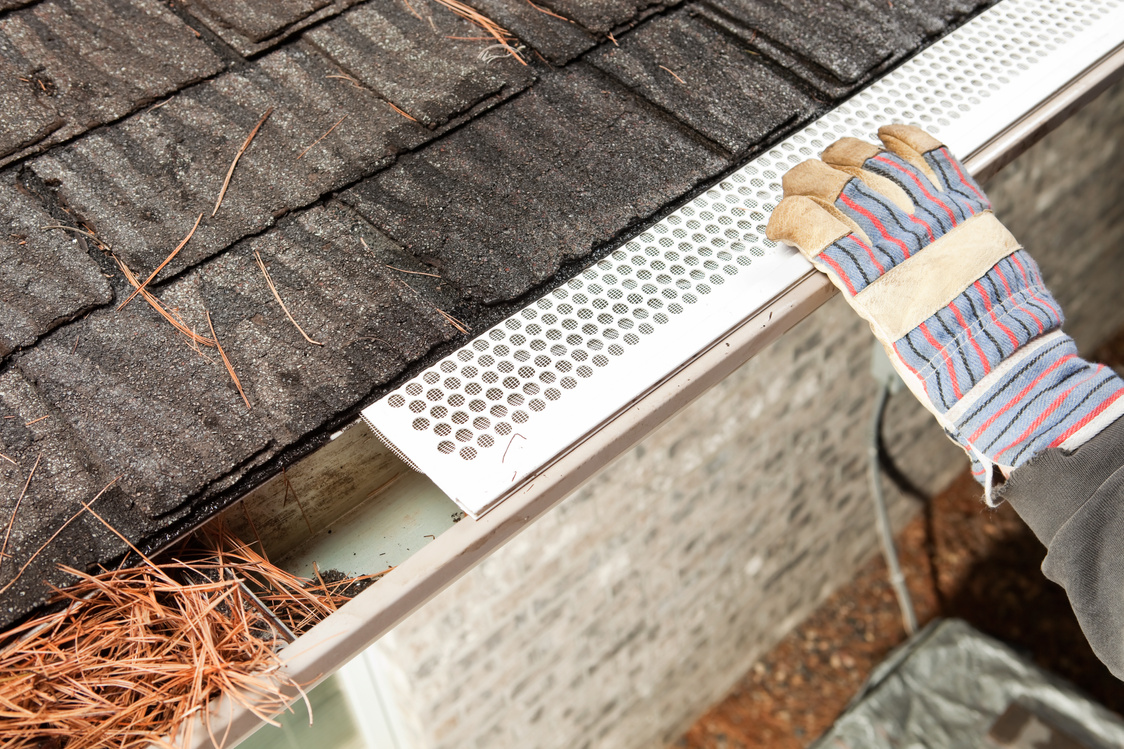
(961, 560)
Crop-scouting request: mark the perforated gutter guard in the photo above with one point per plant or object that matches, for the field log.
(646, 330)
(483, 421)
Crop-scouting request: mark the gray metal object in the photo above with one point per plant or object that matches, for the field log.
(486, 419)
(949, 686)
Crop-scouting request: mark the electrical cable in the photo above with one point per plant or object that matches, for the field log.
(885, 532)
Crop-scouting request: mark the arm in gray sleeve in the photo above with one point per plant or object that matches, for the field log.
(1074, 503)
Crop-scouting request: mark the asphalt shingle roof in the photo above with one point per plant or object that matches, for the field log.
(440, 153)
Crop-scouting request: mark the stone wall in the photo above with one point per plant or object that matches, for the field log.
(623, 613)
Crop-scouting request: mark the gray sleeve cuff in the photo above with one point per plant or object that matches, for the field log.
(1074, 503)
(1050, 489)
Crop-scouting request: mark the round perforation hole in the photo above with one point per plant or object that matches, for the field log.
(396, 401)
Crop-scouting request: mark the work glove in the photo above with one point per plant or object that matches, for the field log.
(909, 238)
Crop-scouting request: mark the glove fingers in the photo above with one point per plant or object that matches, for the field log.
(807, 224)
(908, 137)
(853, 156)
(815, 179)
(932, 158)
(850, 152)
(912, 143)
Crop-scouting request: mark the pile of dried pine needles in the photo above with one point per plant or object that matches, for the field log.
(137, 653)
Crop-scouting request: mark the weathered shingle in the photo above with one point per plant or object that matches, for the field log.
(167, 417)
(687, 67)
(66, 475)
(497, 205)
(557, 39)
(258, 20)
(602, 16)
(94, 61)
(415, 64)
(26, 114)
(142, 183)
(832, 43)
(252, 26)
(343, 295)
(924, 19)
(46, 278)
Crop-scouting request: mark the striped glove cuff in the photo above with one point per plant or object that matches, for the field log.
(961, 309)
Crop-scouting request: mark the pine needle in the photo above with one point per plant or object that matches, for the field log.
(79, 231)
(673, 75)
(322, 137)
(242, 150)
(548, 12)
(401, 111)
(269, 281)
(12, 520)
(55, 535)
(502, 36)
(160, 267)
(174, 319)
(458, 324)
(226, 361)
(413, 272)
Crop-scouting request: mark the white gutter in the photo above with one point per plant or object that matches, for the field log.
(1039, 79)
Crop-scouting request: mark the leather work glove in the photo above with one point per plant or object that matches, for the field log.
(959, 306)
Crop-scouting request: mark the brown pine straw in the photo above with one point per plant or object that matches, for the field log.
(75, 229)
(269, 282)
(458, 324)
(548, 12)
(503, 37)
(673, 75)
(160, 267)
(242, 150)
(401, 111)
(49, 541)
(171, 317)
(138, 653)
(322, 137)
(226, 361)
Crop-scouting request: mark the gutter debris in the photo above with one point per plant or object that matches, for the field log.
(136, 653)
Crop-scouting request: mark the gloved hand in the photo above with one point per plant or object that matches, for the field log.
(961, 309)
